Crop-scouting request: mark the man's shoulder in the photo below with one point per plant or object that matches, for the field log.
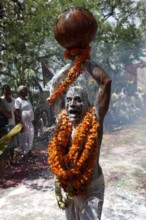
(18, 102)
(3, 101)
(13, 98)
(4, 104)
(18, 99)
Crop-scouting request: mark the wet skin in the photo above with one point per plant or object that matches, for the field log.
(75, 107)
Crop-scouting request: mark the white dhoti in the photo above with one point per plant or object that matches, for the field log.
(26, 138)
(88, 206)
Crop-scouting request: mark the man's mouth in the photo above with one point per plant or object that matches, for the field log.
(73, 112)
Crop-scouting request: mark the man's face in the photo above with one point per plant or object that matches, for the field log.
(7, 91)
(24, 92)
(44, 114)
(75, 106)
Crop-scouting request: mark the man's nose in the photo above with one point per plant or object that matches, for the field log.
(72, 102)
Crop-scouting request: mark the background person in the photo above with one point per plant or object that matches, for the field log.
(5, 114)
(6, 92)
(25, 115)
(43, 123)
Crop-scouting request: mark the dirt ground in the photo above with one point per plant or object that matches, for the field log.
(28, 192)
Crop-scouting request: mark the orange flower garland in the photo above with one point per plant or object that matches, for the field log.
(75, 71)
(72, 163)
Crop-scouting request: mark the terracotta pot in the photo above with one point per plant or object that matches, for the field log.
(75, 28)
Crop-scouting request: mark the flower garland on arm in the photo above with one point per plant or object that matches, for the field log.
(75, 71)
(72, 163)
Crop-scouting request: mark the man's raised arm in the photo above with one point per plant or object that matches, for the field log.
(104, 91)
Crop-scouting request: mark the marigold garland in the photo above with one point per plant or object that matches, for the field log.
(72, 163)
(75, 71)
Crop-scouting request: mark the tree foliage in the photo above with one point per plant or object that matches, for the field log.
(26, 28)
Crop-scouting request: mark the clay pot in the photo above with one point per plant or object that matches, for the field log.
(75, 28)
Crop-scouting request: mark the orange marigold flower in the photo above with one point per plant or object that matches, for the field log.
(75, 71)
(73, 165)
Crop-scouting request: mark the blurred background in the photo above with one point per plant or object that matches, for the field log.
(30, 55)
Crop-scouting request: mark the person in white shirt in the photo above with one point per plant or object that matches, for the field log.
(25, 115)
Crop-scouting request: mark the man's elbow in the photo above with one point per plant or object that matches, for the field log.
(108, 82)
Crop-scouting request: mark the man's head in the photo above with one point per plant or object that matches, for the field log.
(76, 104)
(6, 90)
(44, 113)
(22, 91)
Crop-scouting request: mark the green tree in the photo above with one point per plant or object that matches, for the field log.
(27, 39)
